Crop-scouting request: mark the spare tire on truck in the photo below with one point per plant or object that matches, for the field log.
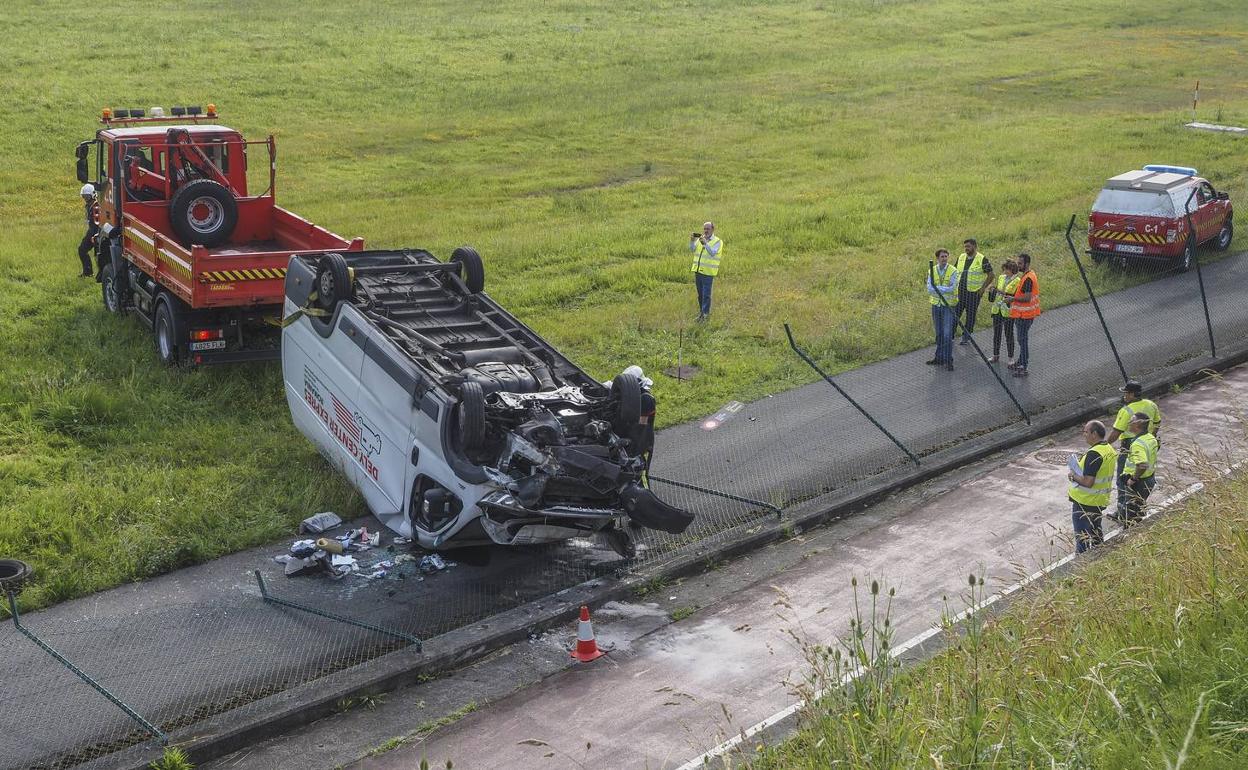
(203, 213)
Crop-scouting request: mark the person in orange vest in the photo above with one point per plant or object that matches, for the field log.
(1024, 307)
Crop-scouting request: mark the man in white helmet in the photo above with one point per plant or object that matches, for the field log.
(93, 229)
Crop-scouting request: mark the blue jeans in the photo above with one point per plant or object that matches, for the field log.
(1087, 524)
(942, 322)
(1023, 327)
(703, 282)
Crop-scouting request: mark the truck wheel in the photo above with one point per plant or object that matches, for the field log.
(108, 287)
(471, 415)
(471, 269)
(1225, 236)
(1189, 255)
(333, 281)
(627, 390)
(203, 213)
(169, 327)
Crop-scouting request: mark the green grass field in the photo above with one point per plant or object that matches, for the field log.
(575, 145)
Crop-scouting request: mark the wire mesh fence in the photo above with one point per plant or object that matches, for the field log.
(179, 663)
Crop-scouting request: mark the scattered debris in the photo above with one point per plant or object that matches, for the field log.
(434, 563)
(320, 522)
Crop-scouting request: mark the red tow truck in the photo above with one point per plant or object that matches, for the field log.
(183, 243)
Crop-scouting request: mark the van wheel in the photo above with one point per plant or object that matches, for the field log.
(204, 213)
(471, 269)
(108, 288)
(627, 390)
(471, 415)
(1225, 236)
(169, 329)
(333, 281)
(1189, 255)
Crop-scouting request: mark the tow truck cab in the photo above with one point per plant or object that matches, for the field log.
(1158, 213)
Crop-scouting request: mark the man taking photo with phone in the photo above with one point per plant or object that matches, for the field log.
(707, 250)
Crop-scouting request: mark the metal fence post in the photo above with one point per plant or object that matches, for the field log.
(1200, 278)
(1092, 295)
(931, 270)
(848, 398)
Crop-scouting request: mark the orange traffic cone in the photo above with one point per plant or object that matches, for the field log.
(586, 647)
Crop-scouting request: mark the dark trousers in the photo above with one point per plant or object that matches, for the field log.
(84, 250)
(1087, 523)
(1023, 327)
(942, 323)
(1002, 326)
(703, 283)
(1137, 496)
(968, 304)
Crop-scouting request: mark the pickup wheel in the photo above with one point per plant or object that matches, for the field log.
(471, 416)
(108, 288)
(1189, 255)
(1225, 236)
(333, 281)
(471, 269)
(169, 328)
(627, 391)
(203, 213)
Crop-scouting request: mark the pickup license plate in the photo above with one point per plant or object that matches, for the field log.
(212, 345)
(1129, 248)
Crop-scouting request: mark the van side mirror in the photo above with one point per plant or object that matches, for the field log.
(1222, 196)
(81, 154)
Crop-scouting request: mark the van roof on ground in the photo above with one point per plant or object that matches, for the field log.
(1151, 181)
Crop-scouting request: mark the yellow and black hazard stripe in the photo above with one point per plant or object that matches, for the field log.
(1114, 235)
(173, 264)
(232, 276)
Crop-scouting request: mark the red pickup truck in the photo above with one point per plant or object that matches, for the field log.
(183, 243)
(1143, 215)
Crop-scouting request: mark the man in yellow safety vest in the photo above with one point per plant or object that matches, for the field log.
(974, 276)
(1139, 475)
(707, 251)
(1133, 403)
(1091, 481)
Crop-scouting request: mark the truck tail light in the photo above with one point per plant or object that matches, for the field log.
(204, 335)
(1170, 235)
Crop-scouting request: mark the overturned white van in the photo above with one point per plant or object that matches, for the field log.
(457, 423)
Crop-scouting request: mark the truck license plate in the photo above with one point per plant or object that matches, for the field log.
(213, 345)
(1129, 248)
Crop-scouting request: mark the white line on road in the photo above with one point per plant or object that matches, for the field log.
(703, 760)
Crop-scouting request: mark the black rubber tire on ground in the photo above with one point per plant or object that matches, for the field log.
(204, 213)
(169, 329)
(1225, 236)
(471, 268)
(333, 281)
(1188, 258)
(627, 391)
(108, 289)
(471, 416)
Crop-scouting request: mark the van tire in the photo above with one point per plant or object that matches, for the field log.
(627, 390)
(1225, 236)
(471, 268)
(169, 329)
(203, 213)
(333, 281)
(471, 416)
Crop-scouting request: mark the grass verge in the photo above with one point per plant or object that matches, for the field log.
(1134, 660)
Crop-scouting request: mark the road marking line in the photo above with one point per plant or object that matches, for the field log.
(703, 760)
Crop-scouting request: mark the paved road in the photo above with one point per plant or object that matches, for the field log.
(198, 641)
(663, 700)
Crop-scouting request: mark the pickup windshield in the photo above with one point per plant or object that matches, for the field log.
(1135, 202)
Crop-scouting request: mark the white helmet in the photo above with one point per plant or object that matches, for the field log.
(87, 189)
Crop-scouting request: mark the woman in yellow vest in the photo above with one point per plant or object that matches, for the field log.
(1002, 325)
(1091, 481)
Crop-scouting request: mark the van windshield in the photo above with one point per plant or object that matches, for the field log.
(1139, 202)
